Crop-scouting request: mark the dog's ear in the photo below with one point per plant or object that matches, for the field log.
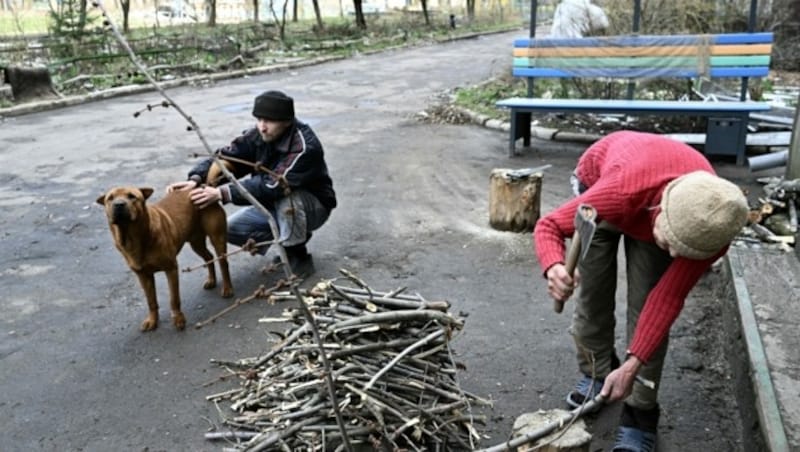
(146, 191)
(102, 200)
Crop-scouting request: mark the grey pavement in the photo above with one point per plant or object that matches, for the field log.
(76, 374)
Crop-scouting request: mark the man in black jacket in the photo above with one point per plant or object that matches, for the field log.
(296, 189)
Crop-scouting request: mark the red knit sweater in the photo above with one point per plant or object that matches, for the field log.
(625, 173)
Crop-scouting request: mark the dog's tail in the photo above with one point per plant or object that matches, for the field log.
(215, 175)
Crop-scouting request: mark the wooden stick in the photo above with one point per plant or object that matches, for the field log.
(400, 356)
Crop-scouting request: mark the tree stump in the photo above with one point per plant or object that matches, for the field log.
(514, 199)
(29, 83)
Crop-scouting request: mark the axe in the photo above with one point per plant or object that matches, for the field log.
(584, 230)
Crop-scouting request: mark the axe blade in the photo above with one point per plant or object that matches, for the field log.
(585, 225)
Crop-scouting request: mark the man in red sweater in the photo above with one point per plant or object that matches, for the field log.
(677, 217)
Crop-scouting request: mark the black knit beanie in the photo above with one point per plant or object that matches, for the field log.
(274, 105)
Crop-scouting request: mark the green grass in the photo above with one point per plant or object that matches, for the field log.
(26, 22)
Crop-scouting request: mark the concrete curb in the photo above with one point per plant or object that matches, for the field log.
(770, 421)
(542, 133)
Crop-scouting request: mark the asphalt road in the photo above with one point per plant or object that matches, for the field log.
(76, 373)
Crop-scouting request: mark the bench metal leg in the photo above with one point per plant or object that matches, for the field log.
(520, 128)
(741, 150)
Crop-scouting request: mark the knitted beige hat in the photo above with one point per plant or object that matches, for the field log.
(700, 214)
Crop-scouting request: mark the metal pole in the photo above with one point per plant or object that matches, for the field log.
(532, 34)
(751, 27)
(793, 165)
(767, 161)
(637, 15)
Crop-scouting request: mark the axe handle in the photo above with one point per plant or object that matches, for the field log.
(572, 261)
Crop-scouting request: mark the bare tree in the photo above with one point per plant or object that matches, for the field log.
(255, 11)
(125, 6)
(211, 9)
(424, 4)
(280, 21)
(317, 13)
(360, 21)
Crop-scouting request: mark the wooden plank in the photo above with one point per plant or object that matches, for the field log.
(752, 49)
(690, 72)
(611, 63)
(618, 105)
(751, 60)
(639, 62)
(647, 40)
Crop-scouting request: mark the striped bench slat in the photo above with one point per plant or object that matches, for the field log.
(617, 105)
(644, 62)
(691, 72)
(715, 50)
(648, 40)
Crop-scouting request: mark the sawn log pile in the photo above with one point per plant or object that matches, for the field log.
(773, 221)
(394, 373)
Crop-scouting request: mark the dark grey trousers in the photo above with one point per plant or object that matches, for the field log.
(296, 216)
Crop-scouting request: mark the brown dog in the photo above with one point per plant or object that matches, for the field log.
(149, 236)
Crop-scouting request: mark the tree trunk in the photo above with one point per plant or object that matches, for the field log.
(470, 9)
(317, 13)
(211, 9)
(255, 11)
(125, 5)
(424, 4)
(514, 200)
(361, 22)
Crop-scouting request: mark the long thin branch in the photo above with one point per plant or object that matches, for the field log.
(273, 226)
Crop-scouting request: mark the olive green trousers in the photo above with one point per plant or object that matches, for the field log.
(594, 319)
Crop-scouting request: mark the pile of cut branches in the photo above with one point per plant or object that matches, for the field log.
(394, 377)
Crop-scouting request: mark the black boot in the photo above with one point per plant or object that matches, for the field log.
(299, 260)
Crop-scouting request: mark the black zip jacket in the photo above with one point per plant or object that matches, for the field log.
(297, 155)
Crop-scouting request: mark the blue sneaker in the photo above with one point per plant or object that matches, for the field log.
(586, 389)
(632, 439)
(637, 429)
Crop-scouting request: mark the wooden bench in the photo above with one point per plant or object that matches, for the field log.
(737, 55)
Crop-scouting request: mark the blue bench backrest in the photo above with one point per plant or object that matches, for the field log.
(721, 55)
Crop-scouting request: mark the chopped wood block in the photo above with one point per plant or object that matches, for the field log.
(574, 439)
(514, 199)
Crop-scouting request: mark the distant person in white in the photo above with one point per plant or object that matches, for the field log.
(577, 18)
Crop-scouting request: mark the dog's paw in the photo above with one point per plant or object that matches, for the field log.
(179, 321)
(150, 323)
(226, 292)
(210, 284)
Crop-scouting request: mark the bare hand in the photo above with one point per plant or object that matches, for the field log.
(205, 196)
(185, 185)
(559, 284)
(619, 383)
